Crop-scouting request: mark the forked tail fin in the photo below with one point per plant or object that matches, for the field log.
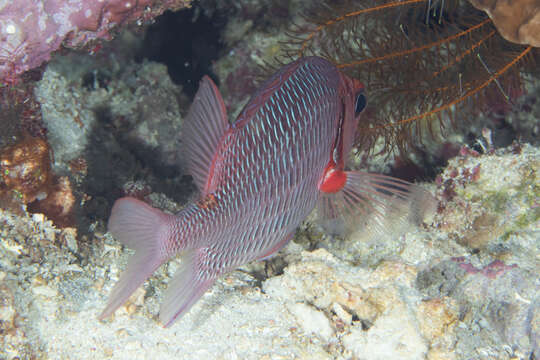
(144, 229)
(376, 203)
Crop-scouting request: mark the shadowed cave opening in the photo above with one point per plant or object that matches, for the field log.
(187, 42)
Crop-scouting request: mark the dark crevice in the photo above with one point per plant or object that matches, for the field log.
(188, 42)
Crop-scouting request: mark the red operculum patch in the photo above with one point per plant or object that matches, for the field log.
(333, 181)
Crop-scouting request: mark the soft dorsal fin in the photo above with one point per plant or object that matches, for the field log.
(203, 130)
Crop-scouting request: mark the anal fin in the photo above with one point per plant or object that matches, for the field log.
(374, 203)
(277, 247)
(188, 284)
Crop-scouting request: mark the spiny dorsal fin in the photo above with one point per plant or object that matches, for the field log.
(203, 130)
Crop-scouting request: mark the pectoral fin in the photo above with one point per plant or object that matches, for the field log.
(375, 203)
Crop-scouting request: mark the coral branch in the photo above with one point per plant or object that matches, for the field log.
(352, 14)
(423, 62)
(460, 99)
(470, 93)
(418, 48)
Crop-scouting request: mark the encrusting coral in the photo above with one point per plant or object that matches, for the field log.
(30, 30)
(517, 21)
(26, 178)
(26, 169)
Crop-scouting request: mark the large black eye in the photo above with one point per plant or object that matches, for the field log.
(360, 103)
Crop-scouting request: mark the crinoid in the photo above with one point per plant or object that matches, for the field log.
(425, 63)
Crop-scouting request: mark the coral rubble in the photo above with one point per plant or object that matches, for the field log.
(430, 294)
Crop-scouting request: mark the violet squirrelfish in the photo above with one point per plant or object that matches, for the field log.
(259, 177)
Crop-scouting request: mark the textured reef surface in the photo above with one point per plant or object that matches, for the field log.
(464, 285)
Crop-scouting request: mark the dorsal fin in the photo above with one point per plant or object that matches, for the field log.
(203, 129)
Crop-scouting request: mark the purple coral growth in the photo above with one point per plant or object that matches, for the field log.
(492, 270)
(30, 30)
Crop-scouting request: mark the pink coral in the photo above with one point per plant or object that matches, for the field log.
(30, 30)
(491, 271)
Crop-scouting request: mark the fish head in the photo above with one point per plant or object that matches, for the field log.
(353, 101)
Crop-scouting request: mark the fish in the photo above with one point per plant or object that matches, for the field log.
(259, 177)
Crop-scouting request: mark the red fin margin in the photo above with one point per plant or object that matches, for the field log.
(202, 132)
(374, 203)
